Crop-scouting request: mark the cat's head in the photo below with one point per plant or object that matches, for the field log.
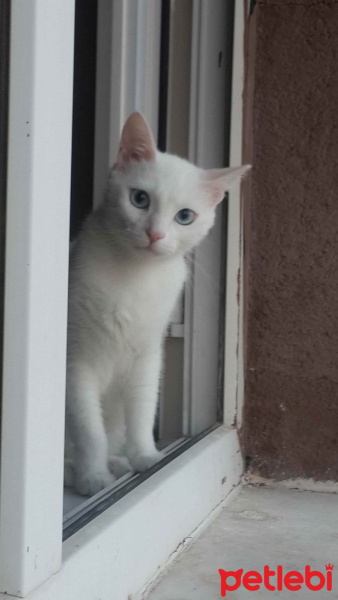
(163, 205)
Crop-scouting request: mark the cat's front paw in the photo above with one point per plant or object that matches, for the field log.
(119, 465)
(90, 483)
(142, 462)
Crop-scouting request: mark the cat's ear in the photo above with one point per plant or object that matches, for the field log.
(218, 181)
(137, 142)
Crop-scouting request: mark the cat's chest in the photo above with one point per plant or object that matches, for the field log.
(139, 304)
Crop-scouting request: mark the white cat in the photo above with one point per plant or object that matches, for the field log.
(126, 272)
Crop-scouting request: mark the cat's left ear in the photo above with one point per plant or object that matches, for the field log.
(218, 181)
(137, 142)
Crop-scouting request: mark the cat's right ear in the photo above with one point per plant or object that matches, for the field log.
(137, 142)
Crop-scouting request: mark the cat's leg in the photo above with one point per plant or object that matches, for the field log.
(116, 432)
(141, 402)
(115, 422)
(86, 427)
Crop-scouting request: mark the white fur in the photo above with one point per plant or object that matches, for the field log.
(121, 293)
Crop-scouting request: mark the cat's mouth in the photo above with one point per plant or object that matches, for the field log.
(154, 249)
(151, 249)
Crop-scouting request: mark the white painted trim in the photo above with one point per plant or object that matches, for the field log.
(207, 150)
(188, 299)
(234, 365)
(186, 543)
(117, 554)
(35, 320)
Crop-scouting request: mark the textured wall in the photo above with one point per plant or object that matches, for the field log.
(291, 412)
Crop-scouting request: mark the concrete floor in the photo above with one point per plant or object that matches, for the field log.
(260, 527)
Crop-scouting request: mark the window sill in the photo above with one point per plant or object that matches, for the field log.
(117, 554)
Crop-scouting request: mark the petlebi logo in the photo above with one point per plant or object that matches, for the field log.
(276, 580)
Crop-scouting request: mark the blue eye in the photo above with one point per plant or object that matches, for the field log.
(185, 216)
(139, 198)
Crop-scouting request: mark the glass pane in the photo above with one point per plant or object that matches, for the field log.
(174, 426)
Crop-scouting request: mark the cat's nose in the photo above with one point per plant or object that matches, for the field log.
(154, 236)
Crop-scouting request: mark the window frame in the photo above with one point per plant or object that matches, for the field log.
(209, 107)
(36, 277)
(120, 542)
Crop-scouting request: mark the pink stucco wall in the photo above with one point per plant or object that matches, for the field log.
(291, 410)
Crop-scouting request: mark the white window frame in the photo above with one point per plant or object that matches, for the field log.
(208, 108)
(36, 273)
(125, 547)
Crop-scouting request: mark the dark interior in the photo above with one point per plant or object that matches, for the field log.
(83, 113)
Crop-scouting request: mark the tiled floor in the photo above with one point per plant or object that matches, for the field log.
(260, 527)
